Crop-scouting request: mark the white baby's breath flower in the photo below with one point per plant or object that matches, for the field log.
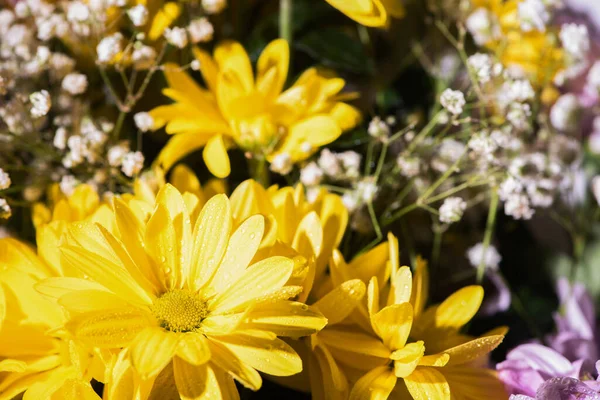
(490, 256)
(132, 163)
(282, 164)
(452, 210)
(367, 189)
(60, 138)
(519, 90)
(575, 40)
(453, 101)
(378, 128)
(78, 12)
(176, 36)
(138, 15)
(41, 103)
(67, 184)
(214, 6)
(350, 201)
(195, 65)
(143, 121)
(311, 174)
(564, 114)
(518, 115)
(518, 207)
(329, 163)
(200, 30)
(5, 211)
(7, 17)
(116, 154)
(143, 57)
(75, 83)
(533, 15)
(409, 166)
(483, 26)
(109, 47)
(351, 162)
(4, 180)
(481, 64)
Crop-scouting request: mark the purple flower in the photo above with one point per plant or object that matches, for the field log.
(562, 389)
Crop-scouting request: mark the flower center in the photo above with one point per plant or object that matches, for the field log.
(179, 311)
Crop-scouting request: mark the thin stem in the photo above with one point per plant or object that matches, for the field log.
(424, 132)
(119, 124)
(374, 220)
(285, 20)
(487, 237)
(259, 171)
(381, 160)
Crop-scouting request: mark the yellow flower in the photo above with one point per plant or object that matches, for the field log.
(255, 115)
(534, 52)
(35, 358)
(391, 347)
(185, 298)
(374, 13)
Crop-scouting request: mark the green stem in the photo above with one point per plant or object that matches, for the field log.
(578, 248)
(260, 171)
(285, 20)
(118, 125)
(487, 237)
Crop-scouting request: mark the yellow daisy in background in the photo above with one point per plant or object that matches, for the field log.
(35, 358)
(391, 348)
(185, 298)
(373, 13)
(255, 115)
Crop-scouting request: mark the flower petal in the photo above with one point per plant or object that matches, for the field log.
(216, 158)
(473, 349)
(258, 280)
(407, 358)
(272, 68)
(341, 301)
(285, 318)
(427, 383)
(179, 146)
(193, 348)
(317, 130)
(152, 350)
(393, 323)
(226, 360)
(376, 384)
(402, 285)
(459, 308)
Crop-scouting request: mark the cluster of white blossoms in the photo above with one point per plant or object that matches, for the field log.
(453, 101)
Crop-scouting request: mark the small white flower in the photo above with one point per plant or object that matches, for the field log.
(143, 121)
(5, 211)
(109, 47)
(282, 164)
(329, 163)
(200, 30)
(575, 40)
(518, 115)
(533, 15)
(367, 189)
(564, 114)
(195, 65)
(116, 153)
(214, 6)
(517, 206)
(67, 184)
(350, 201)
(306, 147)
(41, 103)
(481, 64)
(311, 174)
(482, 145)
(7, 17)
(75, 83)
(378, 128)
(132, 163)
(490, 256)
(138, 15)
(453, 101)
(176, 36)
(596, 188)
(351, 162)
(409, 166)
(4, 180)
(519, 90)
(483, 25)
(143, 57)
(78, 12)
(452, 210)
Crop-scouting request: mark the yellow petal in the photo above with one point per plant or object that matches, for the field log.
(271, 356)
(376, 384)
(229, 362)
(181, 82)
(285, 318)
(272, 68)
(105, 272)
(191, 380)
(231, 56)
(393, 323)
(308, 238)
(317, 130)
(435, 360)
(109, 329)
(373, 297)
(473, 349)
(258, 280)
(193, 348)
(426, 384)
(407, 358)
(346, 116)
(82, 301)
(402, 285)
(55, 288)
(44, 389)
(241, 248)
(210, 239)
(341, 301)
(420, 287)
(163, 19)
(184, 179)
(394, 7)
(373, 15)
(354, 342)
(75, 389)
(475, 383)
(152, 350)
(208, 67)
(161, 242)
(180, 146)
(216, 158)
(459, 308)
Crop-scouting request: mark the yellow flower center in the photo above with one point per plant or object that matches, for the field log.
(179, 311)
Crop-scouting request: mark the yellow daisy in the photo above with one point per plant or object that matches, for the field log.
(255, 115)
(391, 348)
(35, 358)
(185, 298)
(374, 13)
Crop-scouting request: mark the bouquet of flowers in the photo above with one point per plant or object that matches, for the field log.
(326, 199)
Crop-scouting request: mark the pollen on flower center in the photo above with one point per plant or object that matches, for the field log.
(179, 311)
